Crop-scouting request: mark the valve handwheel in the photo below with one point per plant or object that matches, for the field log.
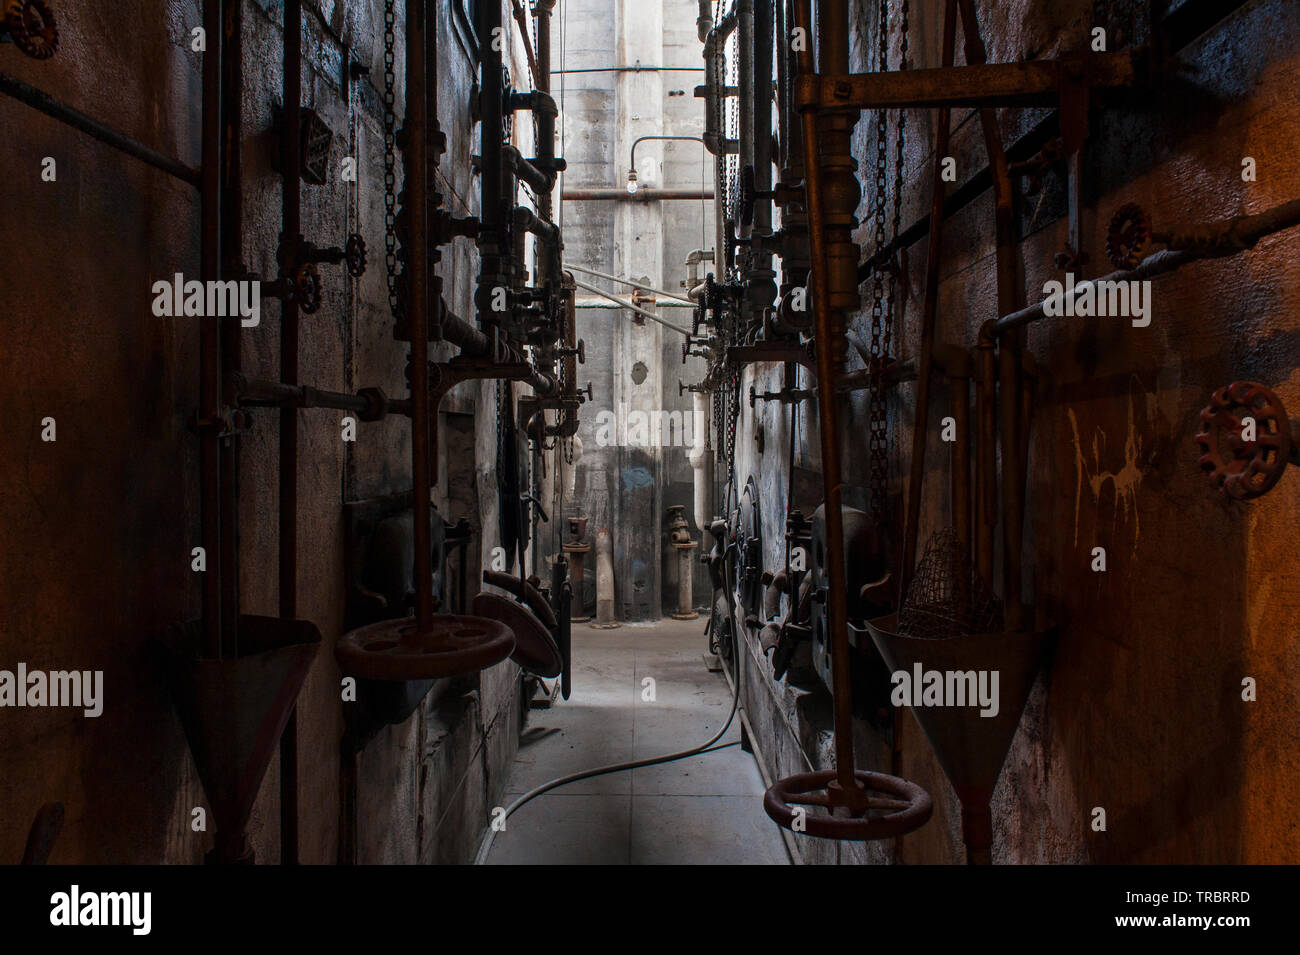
(354, 253)
(306, 288)
(1128, 235)
(31, 24)
(398, 650)
(1243, 469)
(883, 807)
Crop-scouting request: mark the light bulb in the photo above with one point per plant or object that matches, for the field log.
(631, 182)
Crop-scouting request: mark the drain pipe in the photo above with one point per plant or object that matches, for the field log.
(701, 461)
(605, 619)
(290, 228)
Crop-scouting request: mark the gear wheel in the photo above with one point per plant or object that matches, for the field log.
(31, 24)
(307, 288)
(354, 253)
(1241, 469)
(1128, 235)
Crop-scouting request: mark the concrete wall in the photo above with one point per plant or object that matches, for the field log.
(1139, 709)
(624, 487)
(98, 526)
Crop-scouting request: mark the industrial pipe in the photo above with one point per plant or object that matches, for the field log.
(629, 282)
(609, 194)
(290, 230)
(701, 461)
(635, 308)
(605, 619)
(47, 104)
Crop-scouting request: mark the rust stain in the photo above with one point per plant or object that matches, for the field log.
(1125, 481)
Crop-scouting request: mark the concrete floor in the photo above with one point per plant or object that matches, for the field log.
(703, 810)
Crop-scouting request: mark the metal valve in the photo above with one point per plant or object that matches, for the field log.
(31, 26)
(1246, 440)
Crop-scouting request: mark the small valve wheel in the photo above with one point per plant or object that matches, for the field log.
(306, 288)
(31, 24)
(886, 806)
(354, 253)
(1244, 469)
(1128, 235)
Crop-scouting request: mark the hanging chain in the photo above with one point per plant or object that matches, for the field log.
(390, 158)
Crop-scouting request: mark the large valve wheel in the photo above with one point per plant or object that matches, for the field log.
(535, 649)
(399, 650)
(1244, 469)
(883, 807)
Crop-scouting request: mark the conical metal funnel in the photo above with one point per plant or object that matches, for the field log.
(234, 710)
(970, 747)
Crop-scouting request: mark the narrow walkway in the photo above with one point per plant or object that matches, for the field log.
(706, 809)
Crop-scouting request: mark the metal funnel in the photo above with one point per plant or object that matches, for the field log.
(970, 747)
(234, 710)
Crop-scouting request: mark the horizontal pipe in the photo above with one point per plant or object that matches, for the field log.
(634, 69)
(1033, 82)
(626, 304)
(1216, 240)
(611, 194)
(622, 281)
(259, 392)
(44, 103)
(605, 303)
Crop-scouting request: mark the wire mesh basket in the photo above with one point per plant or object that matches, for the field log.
(946, 598)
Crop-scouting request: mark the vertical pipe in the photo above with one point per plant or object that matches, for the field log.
(209, 338)
(232, 232)
(1008, 346)
(492, 238)
(417, 172)
(930, 307)
(291, 226)
(830, 357)
(961, 474)
(985, 449)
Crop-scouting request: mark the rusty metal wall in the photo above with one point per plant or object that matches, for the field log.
(1140, 710)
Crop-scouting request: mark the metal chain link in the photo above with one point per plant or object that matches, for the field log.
(390, 157)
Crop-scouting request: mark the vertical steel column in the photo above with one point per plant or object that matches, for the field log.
(291, 226)
(493, 241)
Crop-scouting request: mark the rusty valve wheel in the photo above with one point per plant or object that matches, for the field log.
(1128, 235)
(306, 288)
(1244, 469)
(890, 806)
(354, 253)
(31, 24)
(535, 649)
(398, 650)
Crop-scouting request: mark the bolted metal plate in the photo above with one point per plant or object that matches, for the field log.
(397, 650)
(535, 649)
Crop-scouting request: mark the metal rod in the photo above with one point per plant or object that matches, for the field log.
(210, 342)
(612, 194)
(622, 281)
(626, 304)
(232, 233)
(418, 301)
(929, 311)
(291, 227)
(833, 14)
(633, 69)
(47, 104)
(1217, 240)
